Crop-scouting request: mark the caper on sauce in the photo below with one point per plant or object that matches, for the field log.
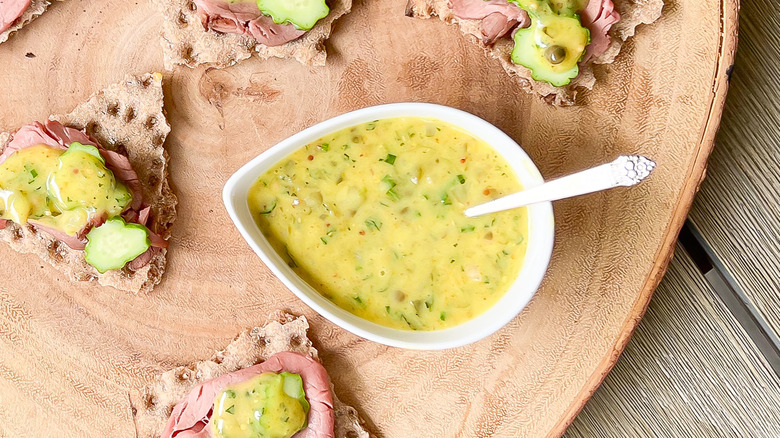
(555, 54)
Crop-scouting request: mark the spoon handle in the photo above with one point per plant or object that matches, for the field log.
(626, 170)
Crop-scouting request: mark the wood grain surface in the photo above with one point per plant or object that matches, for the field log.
(71, 352)
(736, 209)
(689, 370)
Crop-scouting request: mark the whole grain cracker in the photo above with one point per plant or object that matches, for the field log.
(126, 117)
(632, 13)
(153, 404)
(186, 42)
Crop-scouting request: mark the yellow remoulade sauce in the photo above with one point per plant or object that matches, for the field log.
(269, 405)
(372, 218)
(62, 189)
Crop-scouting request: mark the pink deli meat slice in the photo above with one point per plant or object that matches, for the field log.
(190, 417)
(244, 18)
(598, 16)
(10, 11)
(498, 16)
(55, 135)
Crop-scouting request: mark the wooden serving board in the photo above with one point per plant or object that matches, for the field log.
(71, 352)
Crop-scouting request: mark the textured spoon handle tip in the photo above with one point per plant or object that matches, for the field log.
(629, 170)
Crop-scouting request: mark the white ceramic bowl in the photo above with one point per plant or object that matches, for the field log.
(540, 233)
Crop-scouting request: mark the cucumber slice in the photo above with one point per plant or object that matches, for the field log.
(303, 14)
(86, 148)
(533, 46)
(113, 244)
(555, 41)
(293, 386)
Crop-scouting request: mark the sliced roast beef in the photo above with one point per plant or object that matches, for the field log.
(190, 418)
(64, 135)
(143, 259)
(494, 26)
(598, 16)
(244, 18)
(143, 215)
(55, 135)
(29, 135)
(74, 242)
(498, 16)
(10, 11)
(120, 166)
(77, 242)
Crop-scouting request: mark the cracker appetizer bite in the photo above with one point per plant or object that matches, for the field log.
(88, 191)
(267, 383)
(223, 32)
(15, 14)
(549, 45)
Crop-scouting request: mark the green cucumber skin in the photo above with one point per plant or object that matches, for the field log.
(293, 386)
(86, 148)
(520, 56)
(526, 50)
(106, 249)
(303, 14)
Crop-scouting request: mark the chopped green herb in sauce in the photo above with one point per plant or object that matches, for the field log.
(387, 220)
(61, 189)
(267, 405)
(374, 224)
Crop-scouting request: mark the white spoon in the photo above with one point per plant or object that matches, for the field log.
(626, 170)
